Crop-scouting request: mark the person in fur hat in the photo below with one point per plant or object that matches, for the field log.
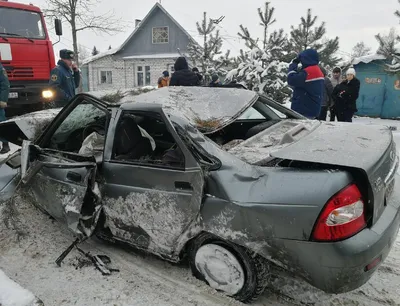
(335, 80)
(346, 95)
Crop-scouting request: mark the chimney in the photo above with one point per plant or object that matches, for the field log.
(137, 22)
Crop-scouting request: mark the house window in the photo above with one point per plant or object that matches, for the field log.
(143, 75)
(105, 77)
(160, 35)
(147, 69)
(139, 76)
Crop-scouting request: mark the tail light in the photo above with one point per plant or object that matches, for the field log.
(343, 216)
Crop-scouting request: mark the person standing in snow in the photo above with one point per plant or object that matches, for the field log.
(163, 81)
(307, 84)
(326, 102)
(4, 92)
(196, 70)
(183, 76)
(65, 78)
(335, 80)
(215, 82)
(346, 95)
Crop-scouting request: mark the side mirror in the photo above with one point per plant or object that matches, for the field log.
(58, 27)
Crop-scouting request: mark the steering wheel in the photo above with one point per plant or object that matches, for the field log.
(99, 129)
(74, 141)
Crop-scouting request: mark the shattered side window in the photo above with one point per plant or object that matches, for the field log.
(251, 114)
(144, 138)
(84, 121)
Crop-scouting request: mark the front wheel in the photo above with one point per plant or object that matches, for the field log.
(228, 268)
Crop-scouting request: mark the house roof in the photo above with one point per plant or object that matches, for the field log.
(114, 51)
(368, 58)
(159, 55)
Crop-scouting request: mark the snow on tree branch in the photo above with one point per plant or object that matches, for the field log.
(262, 67)
(208, 57)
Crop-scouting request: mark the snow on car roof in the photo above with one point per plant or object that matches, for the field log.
(207, 108)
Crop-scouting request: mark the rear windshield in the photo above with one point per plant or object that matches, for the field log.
(16, 22)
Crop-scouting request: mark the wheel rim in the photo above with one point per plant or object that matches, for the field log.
(220, 268)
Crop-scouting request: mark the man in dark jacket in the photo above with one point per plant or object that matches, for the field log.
(182, 75)
(215, 82)
(196, 70)
(327, 101)
(64, 78)
(4, 91)
(307, 84)
(346, 95)
(335, 80)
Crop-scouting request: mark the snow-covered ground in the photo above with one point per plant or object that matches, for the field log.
(12, 294)
(146, 280)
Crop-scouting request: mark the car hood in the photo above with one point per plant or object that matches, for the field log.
(26, 127)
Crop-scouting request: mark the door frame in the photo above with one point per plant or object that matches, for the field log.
(191, 168)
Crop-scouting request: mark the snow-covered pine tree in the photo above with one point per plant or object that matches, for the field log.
(390, 48)
(309, 35)
(262, 68)
(208, 57)
(95, 51)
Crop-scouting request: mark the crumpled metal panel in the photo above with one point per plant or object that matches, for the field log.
(210, 109)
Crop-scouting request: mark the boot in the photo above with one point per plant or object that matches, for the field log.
(5, 149)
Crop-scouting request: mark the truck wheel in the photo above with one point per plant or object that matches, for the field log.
(227, 267)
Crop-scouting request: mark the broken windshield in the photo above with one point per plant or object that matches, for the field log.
(21, 23)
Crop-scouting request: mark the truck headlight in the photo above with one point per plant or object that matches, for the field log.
(47, 94)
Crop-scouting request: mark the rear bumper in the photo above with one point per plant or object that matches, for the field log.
(341, 266)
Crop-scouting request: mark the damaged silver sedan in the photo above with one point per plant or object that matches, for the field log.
(226, 178)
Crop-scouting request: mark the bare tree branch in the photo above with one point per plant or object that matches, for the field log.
(80, 17)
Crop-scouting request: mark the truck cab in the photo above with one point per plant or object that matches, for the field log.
(27, 54)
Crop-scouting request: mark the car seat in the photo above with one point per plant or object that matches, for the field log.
(129, 142)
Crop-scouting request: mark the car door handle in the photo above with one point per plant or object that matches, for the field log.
(74, 177)
(183, 186)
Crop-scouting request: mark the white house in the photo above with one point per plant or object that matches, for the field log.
(157, 41)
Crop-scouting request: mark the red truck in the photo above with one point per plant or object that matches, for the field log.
(27, 54)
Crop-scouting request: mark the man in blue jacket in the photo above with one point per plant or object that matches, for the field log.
(4, 91)
(307, 84)
(64, 78)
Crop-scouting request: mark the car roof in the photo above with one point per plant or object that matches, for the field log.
(210, 109)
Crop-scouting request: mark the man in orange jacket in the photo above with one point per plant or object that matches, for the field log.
(164, 80)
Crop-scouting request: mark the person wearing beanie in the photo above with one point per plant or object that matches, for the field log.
(163, 81)
(196, 70)
(346, 95)
(183, 76)
(64, 78)
(215, 82)
(326, 102)
(335, 80)
(307, 84)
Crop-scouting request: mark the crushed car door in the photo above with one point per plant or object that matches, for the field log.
(60, 184)
(151, 200)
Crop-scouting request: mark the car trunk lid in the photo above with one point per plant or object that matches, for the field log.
(367, 148)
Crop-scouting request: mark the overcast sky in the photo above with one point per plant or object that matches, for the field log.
(351, 20)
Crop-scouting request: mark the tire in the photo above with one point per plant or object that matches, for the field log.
(250, 275)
